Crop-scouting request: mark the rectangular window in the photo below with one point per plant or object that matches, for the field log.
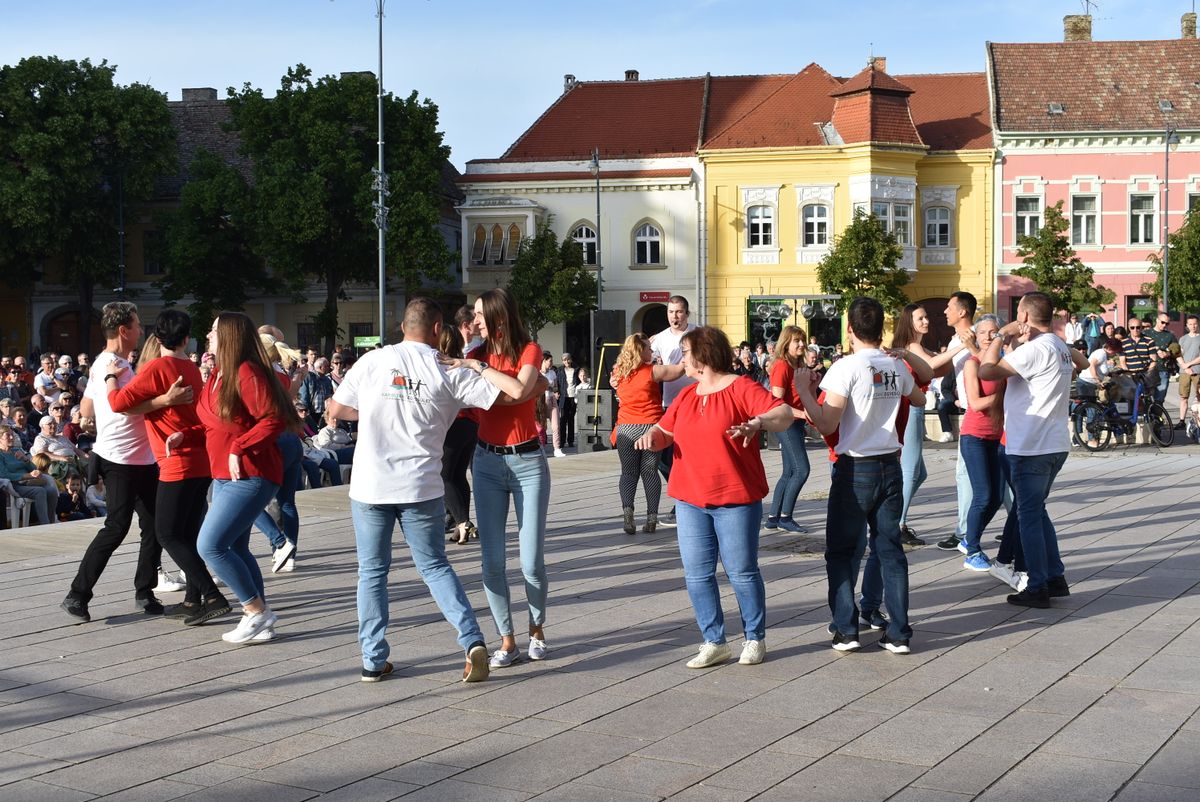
(1029, 216)
(153, 247)
(902, 223)
(1083, 220)
(1141, 219)
(816, 225)
(361, 330)
(937, 227)
(306, 336)
(1193, 201)
(761, 226)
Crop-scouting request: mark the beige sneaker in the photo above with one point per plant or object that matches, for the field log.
(711, 654)
(753, 653)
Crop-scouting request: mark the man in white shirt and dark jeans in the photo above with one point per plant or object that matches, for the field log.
(666, 350)
(862, 397)
(404, 401)
(1037, 439)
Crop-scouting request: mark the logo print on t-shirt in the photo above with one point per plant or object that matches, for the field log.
(884, 380)
(403, 387)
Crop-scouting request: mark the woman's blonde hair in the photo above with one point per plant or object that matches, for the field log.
(151, 350)
(784, 343)
(630, 357)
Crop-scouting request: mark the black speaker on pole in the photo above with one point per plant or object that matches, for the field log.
(608, 327)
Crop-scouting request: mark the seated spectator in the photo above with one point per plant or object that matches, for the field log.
(813, 361)
(27, 480)
(7, 405)
(96, 498)
(21, 428)
(334, 438)
(62, 453)
(316, 460)
(72, 503)
(11, 387)
(39, 408)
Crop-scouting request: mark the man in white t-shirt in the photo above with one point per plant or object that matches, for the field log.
(124, 459)
(862, 397)
(960, 314)
(1037, 440)
(404, 401)
(666, 350)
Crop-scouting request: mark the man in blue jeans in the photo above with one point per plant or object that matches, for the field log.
(1037, 440)
(404, 400)
(862, 396)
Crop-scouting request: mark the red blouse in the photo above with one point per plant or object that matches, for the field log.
(251, 434)
(509, 424)
(189, 460)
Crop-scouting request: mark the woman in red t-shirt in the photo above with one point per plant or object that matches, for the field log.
(718, 481)
(636, 382)
(789, 351)
(183, 472)
(979, 444)
(508, 463)
(244, 409)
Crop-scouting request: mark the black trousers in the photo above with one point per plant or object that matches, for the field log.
(181, 508)
(567, 421)
(457, 452)
(128, 489)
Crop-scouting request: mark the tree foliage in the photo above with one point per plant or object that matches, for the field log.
(549, 281)
(865, 261)
(1183, 270)
(313, 146)
(206, 243)
(1052, 264)
(71, 142)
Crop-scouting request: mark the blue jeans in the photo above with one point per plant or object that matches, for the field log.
(526, 478)
(1164, 381)
(962, 484)
(865, 497)
(291, 451)
(731, 533)
(1010, 550)
(912, 459)
(1032, 478)
(423, 526)
(224, 540)
(313, 468)
(795, 470)
(982, 460)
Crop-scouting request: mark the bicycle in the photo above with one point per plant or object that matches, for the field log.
(1093, 423)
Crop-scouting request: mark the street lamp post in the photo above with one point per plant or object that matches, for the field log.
(380, 186)
(594, 167)
(121, 235)
(1170, 138)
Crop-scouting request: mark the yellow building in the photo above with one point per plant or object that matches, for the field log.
(787, 165)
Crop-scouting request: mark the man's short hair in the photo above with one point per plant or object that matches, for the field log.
(1039, 307)
(866, 318)
(116, 314)
(465, 314)
(967, 301)
(1191, 317)
(679, 300)
(421, 314)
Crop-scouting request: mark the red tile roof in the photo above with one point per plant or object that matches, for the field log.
(577, 175)
(873, 107)
(871, 79)
(1103, 86)
(951, 110)
(769, 111)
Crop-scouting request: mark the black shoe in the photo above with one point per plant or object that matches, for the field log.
(77, 609)
(375, 676)
(873, 619)
(181, 610)
(894, 646)
(1057, 587)
(1031, 598)
(909, 538)
(1181, 425)
(211, 608)
(844, 643)
(149, 605)
(950, 543)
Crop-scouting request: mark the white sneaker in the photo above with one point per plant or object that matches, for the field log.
(266, 634)
(168, 583)
(288, 566)
(1022, 580)
(251, 625)
(753, 653)
(503, 659)
(281, 555)
(537, 649)
(1004, 572)
(711, 654)
(946, 438)
(558, 452)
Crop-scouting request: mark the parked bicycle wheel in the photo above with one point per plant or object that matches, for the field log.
(1158, 423)
(1089, 426)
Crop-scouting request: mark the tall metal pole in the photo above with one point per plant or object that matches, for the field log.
(1166, 215)
(121, 233)
(381, 188)
(599, 267)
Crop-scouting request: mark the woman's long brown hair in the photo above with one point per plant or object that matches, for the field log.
(783, 344)
(507, 335)
(238, 343)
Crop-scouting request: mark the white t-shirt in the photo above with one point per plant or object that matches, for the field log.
(119, 438)
(959, 361)
(52, 393)
(874, 383)
(406, 401)
(1037, 398)
(665, 346)
(1103, 366)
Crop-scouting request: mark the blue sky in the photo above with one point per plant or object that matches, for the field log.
(492, 68)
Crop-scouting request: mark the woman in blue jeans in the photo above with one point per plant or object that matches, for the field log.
(718, 482)
(982, 427)
(789, 351)
(509, 464)
(244, 409)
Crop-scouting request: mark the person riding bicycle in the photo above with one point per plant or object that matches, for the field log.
(1100, 365)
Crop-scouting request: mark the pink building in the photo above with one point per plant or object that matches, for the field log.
(1085, 123)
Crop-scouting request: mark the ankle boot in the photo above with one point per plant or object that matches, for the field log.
(651, 522)
(630, 528)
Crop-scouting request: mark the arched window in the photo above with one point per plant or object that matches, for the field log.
(937, 227)
(647, 245)
(585, 235)
(815, 217)
(760, 226)
(479, 245)
(514, 242)
(496, 245)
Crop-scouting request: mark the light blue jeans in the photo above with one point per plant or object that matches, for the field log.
(912, 459)
(526, 479)
(962, 483)
(424, 525)
(730, 533)
(795, 470)
(224, 539)
(291, 451)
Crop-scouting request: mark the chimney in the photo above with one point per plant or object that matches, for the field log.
(877, 63)
(1187, 25)
(199, 94)
(1077, 28)
(568, 82)
(631, 75)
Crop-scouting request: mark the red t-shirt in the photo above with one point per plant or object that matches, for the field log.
(712, 469)
(784, 375)
(251, 434)
(505, 424)
(977, 423)
(189, 460)
(640, 397)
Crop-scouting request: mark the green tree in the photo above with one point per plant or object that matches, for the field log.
(72, 145)
(313, 147)
(1183, 271)
(206, 243)
(865, 260)
(549, 282)
(1051, 263)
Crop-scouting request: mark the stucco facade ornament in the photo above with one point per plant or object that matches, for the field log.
(939, 196)
(752, 196)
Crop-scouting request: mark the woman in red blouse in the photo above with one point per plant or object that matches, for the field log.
(636, 382)
(718, 481)
(183, 473)
(508, 463)
(243, 409)
(789, 351)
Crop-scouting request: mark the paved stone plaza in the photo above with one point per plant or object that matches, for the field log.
(1095, 699)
